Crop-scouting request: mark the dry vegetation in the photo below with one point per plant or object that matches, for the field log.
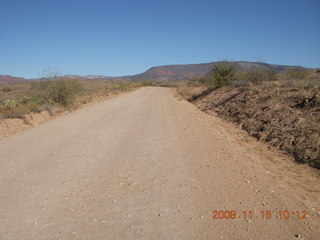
(55, 94)
(19, 99)
(281, 109)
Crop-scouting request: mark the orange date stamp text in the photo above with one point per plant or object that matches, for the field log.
(264, 214)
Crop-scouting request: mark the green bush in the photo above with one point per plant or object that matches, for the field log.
(195, 80)
(222, 74)
(146, 83)
(256, 76)
(296, 73)
(31, 100)
(17, 108)
(9, 104)
(6, 89)
(20, 110)
(60, 91)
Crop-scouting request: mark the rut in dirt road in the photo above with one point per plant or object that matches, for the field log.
(144, 165)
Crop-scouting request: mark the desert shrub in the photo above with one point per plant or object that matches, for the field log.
(317, 101)
(59, 91)
(119, 86)
(17, 108)
(63, 91)
(9, 104)
(25, 100)
(290, 83)
(146, 83)
(296, 73)
(203, 79)
(35, 108)
(167, 84)
(307, 150)
(6, 89)
(30, 100)
(16, 112)
(195, 80)
(114, 86)
(257, 76)
(20, 110)
(240, 83)
(222, 74)
(299, 84)
(310, 85)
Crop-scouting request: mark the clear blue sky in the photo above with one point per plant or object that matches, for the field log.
(124, 37)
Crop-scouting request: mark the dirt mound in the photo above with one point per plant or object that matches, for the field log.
(13, 125)
(286, 121)
(10, 126)
(189, 92)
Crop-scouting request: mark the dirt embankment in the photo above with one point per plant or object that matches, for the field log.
(284, 120)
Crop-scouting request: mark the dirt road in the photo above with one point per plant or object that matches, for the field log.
(144, 165)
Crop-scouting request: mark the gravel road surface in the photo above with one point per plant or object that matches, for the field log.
(144, 165)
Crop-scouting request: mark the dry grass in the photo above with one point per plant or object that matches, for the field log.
(37, 96)
(20, 110)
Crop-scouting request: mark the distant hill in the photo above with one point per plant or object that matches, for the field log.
(168, 72)
(10, 79)
(189, 71)
(89, 77)
(174, 72)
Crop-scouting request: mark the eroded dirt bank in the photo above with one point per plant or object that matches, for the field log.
(285, 120)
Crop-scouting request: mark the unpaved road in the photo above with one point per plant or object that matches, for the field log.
(144, 165)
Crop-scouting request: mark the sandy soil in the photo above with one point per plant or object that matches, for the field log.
(145, 165)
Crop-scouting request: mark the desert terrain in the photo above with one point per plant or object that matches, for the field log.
(150, 165)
